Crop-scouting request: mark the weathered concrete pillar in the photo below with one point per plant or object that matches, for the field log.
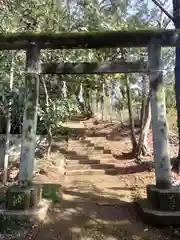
(27, 158)
(159, 122)
(162, 206)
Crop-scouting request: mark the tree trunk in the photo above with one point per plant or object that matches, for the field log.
(81, 104)
(79, 98)
(133, 135)
(145, 133)
(94, 104)
(129, 98)
(87, 104)
(99, 109)
(176, 8)
(146, 119)
(121, 117)
(8, 126)
(102, 102)
(49, 138)
(64, 89)
(142, 112)
(110, 107)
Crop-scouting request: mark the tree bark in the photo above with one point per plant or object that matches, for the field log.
(49, 138)
(102, 102)
(129, 98)
(110, 105)
(176, 8)
(8, 126)
(121, 116)
(94, 104)
(142, 143)
(64, 89)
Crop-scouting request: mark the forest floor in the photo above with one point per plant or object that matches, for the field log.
(101, 207)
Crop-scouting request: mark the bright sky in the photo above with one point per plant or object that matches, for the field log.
(168, 6)
(151, 4)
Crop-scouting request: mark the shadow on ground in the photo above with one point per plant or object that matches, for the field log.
(115, 131)
(88, 214)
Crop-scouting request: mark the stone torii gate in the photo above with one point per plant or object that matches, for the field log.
(160, 195)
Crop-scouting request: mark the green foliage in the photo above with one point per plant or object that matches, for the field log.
(62, 131)
(57, 112)
(52, 192)
(77, 16)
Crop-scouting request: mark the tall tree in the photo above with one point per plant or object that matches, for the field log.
(176, 11)
(8, 122)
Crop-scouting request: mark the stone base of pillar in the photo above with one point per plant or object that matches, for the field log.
(24, 204)
(162, 206)
(36, 214)
(164, 199)
(23, 198)
(157, 217)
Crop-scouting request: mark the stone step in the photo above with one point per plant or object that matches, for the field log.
(63, 150)
(99, 147)
(112, 171)
(82, 161)
(87, 141)
(79, 147)
(91, 146)
(83, 151)
(86, 158)
(99, 142)
(107, 151)
(85, 172)
(79, 142)
(115, 171)
(76, 157)
(71, 152)
(94, 152)
(89, 166)
(88, 155)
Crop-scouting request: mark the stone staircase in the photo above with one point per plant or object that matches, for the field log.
(89, 157)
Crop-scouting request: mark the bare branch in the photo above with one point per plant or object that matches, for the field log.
(163, 10)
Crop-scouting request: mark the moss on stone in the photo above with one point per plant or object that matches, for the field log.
(21, 198)
(47, 35)
(84, 40)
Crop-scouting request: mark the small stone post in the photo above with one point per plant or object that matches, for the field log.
(159, 122)
(27, 158)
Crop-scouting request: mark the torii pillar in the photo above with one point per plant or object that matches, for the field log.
(163, 200)
(26, 195)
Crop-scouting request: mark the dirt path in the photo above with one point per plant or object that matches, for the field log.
(100, 207)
